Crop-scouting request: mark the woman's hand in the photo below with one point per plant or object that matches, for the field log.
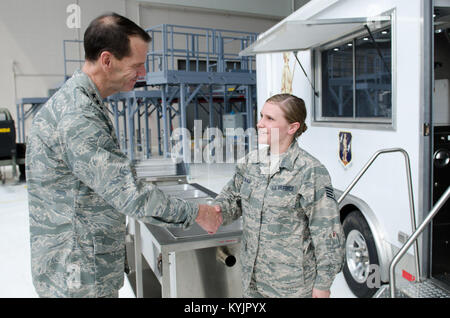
(317, 293)
(209, 217)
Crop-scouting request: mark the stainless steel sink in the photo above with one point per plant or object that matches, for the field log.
(176, 187)
(189, 262)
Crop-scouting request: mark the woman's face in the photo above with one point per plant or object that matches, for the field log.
(274, 128)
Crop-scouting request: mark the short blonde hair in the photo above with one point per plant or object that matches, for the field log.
(294, 110)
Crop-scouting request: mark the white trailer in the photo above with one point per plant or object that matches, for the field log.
(374, 75)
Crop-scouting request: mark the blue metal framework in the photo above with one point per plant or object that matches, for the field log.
(33, 104)
(130, 107)
(213, 71)
(213, 74)
(67, 60)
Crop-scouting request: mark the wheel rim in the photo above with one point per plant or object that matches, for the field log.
(357, 256)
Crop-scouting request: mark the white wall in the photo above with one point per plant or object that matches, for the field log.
(32, 34)
(154, 15)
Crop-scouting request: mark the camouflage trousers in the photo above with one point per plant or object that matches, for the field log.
(112, 294)
(262, 290)
(252, 290)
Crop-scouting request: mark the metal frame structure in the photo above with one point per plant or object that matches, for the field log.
(213, 74)
(67, 60)
(135, 105)
(23, 114)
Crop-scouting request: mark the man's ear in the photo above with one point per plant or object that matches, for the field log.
(293, 128)
(105, 60)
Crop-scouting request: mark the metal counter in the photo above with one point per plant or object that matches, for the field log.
(189, 263)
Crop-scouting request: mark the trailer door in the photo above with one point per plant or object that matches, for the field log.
(440, 232)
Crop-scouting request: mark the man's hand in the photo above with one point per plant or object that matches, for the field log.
(209, 217)
(317, 293)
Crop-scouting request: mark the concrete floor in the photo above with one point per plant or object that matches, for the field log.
(15, 274)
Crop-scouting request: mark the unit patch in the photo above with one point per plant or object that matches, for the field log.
(345, 147)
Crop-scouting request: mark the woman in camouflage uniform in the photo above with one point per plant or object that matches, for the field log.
(292, 243)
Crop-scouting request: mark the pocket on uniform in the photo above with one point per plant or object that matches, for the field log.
(282, 200)
(109, 260)
(281, 210)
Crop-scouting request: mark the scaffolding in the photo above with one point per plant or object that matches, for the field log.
(26, 108)
(187, 67)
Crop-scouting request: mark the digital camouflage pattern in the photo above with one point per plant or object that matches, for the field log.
(80, 187)
(292, 236)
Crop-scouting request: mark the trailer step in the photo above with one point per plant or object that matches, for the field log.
(383, 292)
(443, 278)
(425, 289)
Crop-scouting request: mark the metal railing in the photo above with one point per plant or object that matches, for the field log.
(410, 192)
(67, 60)
(201, 49)
(413, 238)
(216, 50)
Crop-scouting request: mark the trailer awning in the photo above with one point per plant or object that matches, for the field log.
(298, 35)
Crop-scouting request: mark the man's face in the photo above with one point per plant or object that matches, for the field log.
(125, 72)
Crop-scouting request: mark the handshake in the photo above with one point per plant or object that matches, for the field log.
(209, 217)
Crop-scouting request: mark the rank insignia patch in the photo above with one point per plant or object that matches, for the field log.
(330, 193)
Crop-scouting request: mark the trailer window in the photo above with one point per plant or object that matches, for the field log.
(356, 79)
(337, 81)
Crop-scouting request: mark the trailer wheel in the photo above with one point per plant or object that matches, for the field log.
(360, 253)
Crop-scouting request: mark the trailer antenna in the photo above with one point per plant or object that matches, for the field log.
(304, 72)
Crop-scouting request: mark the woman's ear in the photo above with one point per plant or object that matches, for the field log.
(293, 128)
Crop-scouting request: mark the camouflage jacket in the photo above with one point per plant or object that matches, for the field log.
(80, 188)
(292, 236)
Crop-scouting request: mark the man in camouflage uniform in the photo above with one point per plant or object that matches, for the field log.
(292, 243)
(80, 185)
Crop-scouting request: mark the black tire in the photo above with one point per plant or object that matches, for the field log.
(359, 237)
